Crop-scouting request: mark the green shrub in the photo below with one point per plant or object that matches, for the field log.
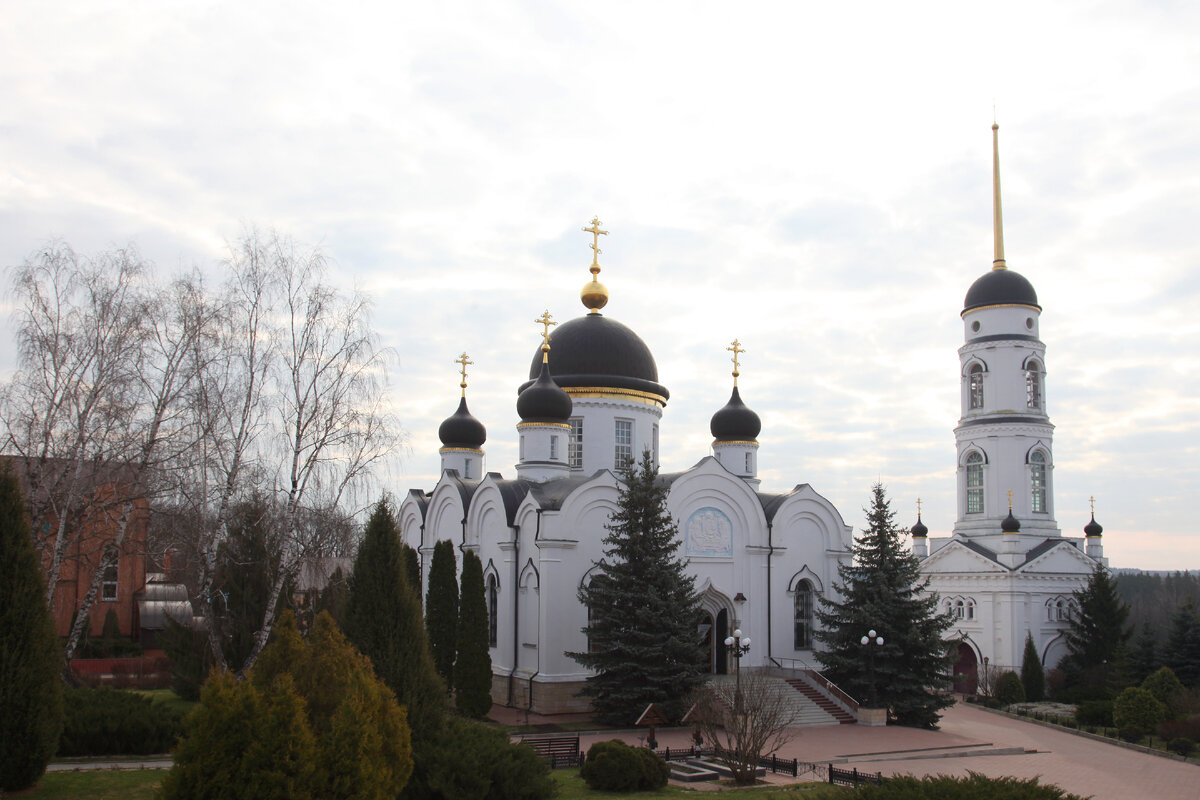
(1136, 712)
(1009, 689)
(1095, 712)
(475, 760)
(973, 787)
(1167, 689)
(614, 766)
(1181, 746)
(105, 722)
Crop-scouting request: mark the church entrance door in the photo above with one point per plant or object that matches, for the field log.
(966, 670)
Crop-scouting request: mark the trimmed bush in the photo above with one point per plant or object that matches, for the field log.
(475, 760)
(1009, 689)
(1167, 689)
(972, 787)
(614, 766)
(109, 722)
(1095, 712)
(1136, 712)
(1182, 746)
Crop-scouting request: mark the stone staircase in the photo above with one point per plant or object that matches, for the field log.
(805, 709)
(830, 707)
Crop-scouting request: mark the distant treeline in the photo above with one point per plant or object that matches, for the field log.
(1155, 598)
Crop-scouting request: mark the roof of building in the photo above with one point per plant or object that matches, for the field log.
(596, 351)
(1000, 287)
(735, 421)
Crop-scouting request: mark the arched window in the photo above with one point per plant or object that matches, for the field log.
(1037, 482)
(960, 609)
(493, 608)
(108, 585)
(975, 386)
(975, 484)
(805, 597)
(970, 609)
(1033, 385)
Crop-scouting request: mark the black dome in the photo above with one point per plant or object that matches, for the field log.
(460, 429)
(919, 530)
(1093, 528)
(594, 350)
(1010, 524)
(543, 400)
(735, 422)
(1001, 287)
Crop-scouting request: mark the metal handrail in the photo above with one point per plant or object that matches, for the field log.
(833, 688)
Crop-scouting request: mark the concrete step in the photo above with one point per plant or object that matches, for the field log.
(805, 711)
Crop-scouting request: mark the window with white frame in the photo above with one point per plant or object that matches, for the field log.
(1033, 385)
(975, 484)
(575, 444)
(975, 386)
(521, 448)
(1037, 482)
(623, 452)
(803, 615)
(553, 448)
(466, 468)
(108, 585)
(749, 463)
(960, 609)
(970, 609)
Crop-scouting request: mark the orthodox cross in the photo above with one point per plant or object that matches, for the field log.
(1010, 501)
(1092, 500)
(918, 508)
(737, 349)
(545, 320)
(463, 361)
(596, 233)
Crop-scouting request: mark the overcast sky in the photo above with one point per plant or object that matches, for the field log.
(813, 179)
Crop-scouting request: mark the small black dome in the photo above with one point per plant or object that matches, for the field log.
(594, 350)
(543, 400)
(1010, 524)
(1001, 287)
(1093, 528)
(919, 530)
(460, 429)
(735, 422)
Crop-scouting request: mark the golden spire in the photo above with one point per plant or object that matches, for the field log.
(735, 348)
(545, 320)
(463, 361)
(997, 217)
(595, 294)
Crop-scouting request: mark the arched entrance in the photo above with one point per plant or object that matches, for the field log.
(714, 631)
(966, 670)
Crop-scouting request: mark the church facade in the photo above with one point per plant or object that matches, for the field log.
(1006, 571)
(592, 404)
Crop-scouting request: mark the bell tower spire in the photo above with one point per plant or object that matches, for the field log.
(997, 216)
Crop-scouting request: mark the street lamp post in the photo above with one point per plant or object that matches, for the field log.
(872, 638)
(738, 646)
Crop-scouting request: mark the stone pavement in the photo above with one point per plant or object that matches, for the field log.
(970, 739)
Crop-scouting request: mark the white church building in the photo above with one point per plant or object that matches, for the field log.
(1007, 570)
(592, 403)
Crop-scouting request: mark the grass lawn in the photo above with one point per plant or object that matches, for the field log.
(107, 784)
(571, 786)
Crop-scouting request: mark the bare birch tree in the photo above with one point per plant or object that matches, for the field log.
(744, 720)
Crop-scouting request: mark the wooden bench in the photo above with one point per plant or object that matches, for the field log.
(558, 750)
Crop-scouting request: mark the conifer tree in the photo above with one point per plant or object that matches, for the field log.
(473, 665)
(383, 620)
(1033, 677)
(642, 631)
(412, 566)
(441, 609)
(1144, 659)
(31, 708)
(1182, 653)
(1096, 639)
(882, 590)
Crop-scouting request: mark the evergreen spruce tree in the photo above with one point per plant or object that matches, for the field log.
(882, 590)
(383, 620)
(642, 628)
(412, 567)
(473, 665)
(1096, 640)
(1182, 653)
(1144, 659)
(441, 609)
(1033, 677)
(31, 706)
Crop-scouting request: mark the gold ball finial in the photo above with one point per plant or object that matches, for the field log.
(594, 294)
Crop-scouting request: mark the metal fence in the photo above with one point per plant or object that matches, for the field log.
(852, 777)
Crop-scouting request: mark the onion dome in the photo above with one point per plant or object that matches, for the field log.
(543, 400)
(919, 531)
(1093, 528)
(735, 422)
(460, 429)
(597, 352)
(1010, 524)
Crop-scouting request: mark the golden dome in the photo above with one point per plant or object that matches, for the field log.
(594, 295)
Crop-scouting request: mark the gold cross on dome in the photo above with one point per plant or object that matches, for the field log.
(1010, 501)
(1092, 500)
(545, 320)
(463, 361)
(737, 349)
(918, 508)
(596, 233)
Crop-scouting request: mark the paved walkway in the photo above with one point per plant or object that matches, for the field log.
(970, 739)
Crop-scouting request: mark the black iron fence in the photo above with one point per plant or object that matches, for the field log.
(852, 777)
